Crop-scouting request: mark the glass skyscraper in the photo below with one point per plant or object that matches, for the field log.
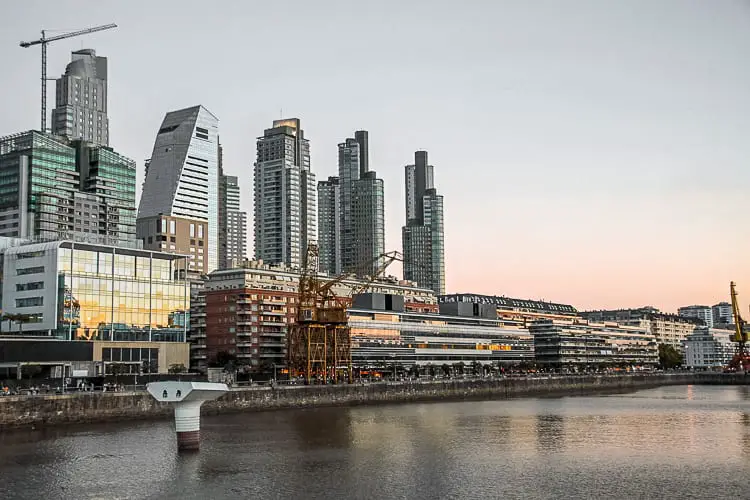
(53, 188)
(329, 201)
(423, 236)
(182, 179)
(361, 208)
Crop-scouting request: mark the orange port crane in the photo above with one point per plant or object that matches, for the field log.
(43, 42)
(319, 343)
(741, 360)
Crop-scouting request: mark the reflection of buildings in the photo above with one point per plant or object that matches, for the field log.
(79, 291)
(576, 342)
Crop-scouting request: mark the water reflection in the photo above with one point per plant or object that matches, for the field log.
(691, 442)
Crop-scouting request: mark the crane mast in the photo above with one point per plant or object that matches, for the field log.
(741, 361)
(43, 42)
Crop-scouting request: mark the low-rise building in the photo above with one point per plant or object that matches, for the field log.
(383, 337)
(577, 343)
(508, 308)
(669, 329)
(122, 301)
(709, 348)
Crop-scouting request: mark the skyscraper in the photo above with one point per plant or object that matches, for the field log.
(52, 188)
(181, 189)
(329, 232)
(361, 212)
(81, 99)
(423, 234)
(285, 195)
(233, 226)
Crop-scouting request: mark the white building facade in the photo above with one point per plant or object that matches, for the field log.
(708, 348)
(182, 178)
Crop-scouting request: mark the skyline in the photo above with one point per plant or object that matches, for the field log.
(576, 113)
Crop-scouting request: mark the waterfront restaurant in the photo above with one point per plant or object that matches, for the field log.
(123, 301)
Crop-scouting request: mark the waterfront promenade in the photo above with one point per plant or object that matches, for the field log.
(45, 410)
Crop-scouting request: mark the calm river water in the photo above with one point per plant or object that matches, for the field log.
(673, 442)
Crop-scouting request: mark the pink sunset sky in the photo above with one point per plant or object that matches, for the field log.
(590, 153)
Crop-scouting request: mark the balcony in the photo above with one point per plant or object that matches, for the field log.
(278, 324)
(272, 334)
(273, 345)
(274, 355)
(273, 302)
(244, 344)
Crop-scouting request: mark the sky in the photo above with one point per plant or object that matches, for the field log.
(590, 152)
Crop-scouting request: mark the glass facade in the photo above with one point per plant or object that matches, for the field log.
(112, 177)
(120, 295)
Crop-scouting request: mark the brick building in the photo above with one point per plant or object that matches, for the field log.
(246, 312)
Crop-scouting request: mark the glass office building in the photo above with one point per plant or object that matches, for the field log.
(82, 291)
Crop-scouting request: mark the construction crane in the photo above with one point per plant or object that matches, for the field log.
(43, 42)
(741, 360)
(319, 343)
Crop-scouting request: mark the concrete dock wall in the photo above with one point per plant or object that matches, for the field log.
(43, 410)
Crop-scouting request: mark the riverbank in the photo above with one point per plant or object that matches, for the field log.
(48, 410)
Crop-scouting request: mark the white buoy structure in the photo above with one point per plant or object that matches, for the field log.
(187, 398)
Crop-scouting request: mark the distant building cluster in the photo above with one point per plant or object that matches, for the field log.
(94, 285)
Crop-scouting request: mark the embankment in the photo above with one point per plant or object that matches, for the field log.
(44, 410)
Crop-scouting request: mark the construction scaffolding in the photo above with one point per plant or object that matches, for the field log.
(319, 343)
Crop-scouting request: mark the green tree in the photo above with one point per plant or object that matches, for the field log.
(177, 368)
(669, 357)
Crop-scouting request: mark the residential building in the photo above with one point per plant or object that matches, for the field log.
(123, 300)
(702, 313)
(178, 235)
(423, 235)
(247, 311)
(81, 99)
(575, 344)
(329, 227)
(52, 188)
(669, 329)
(285, 195)
(722, 314)
(182, 175)
(709, 348)
(233, 224)
(361, 208)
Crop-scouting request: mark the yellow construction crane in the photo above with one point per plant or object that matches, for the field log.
(43, 42)
(319, 344)
(741, 360)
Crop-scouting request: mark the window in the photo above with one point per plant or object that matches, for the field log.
(172, 227)
(29, 255)
(36, 285)
(30, 302)
(200, 230)
(29, 270)
(192, 230)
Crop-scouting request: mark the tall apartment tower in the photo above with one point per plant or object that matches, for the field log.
(329, 231)
(361, 212)
(285, 202)
(179, 208)
(81, 99)
(423, 235)
(233, 227)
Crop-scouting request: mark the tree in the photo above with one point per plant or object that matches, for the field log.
(177, 368)
(669, 357)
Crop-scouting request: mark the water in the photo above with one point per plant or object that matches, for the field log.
(672, 442)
